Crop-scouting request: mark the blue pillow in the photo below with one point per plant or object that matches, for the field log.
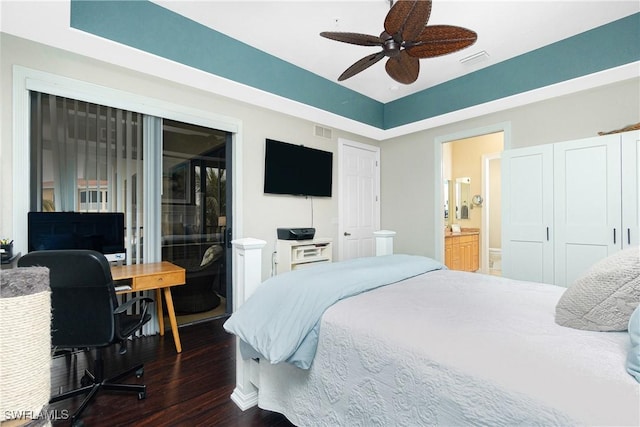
(633, 358)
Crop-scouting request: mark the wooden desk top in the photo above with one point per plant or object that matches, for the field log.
(150, 276)
(121, 272)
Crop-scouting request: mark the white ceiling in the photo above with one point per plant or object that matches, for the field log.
(290, 30)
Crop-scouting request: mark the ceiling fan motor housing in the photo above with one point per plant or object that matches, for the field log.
(390, 45)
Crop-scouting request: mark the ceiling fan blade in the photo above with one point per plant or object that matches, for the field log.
(436, 40)
(353, 38)
(403, 68)
(407, 18)
(361, 65)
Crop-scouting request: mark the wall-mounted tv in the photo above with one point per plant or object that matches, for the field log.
(102, 232)
(297, 170)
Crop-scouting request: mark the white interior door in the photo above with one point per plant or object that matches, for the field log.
(587, 204)
(527, 214)
(359, 199)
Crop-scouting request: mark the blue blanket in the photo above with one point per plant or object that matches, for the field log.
(280, 322)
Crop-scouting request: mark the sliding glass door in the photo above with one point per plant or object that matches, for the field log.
(195, 216)
(87, 157)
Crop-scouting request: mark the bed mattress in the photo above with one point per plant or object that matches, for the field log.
(455, 348)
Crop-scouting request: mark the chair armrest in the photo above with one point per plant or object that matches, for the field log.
(142, 319)
(125, 306)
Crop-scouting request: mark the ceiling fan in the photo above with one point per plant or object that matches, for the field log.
(405, 39)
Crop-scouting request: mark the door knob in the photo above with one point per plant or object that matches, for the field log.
(347, 234)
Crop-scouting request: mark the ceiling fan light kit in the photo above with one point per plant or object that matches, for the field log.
(406, 38)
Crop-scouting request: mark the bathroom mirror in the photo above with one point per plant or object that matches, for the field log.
(463, 200)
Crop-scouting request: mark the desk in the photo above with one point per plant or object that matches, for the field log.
(10, 262)
(159, 276)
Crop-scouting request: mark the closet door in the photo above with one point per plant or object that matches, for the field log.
(527, 213)
(587, 204)
(630, 234)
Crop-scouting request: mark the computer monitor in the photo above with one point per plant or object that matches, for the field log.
(102, 232)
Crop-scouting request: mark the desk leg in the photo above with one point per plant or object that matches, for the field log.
(172, 319)
(159, 310)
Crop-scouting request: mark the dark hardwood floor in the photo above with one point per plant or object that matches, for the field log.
(188, 389)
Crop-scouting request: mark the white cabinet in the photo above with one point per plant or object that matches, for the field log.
(568, 205)
(296, 254)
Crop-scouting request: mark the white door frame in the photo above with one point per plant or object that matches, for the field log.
(26, 79)
(341, 144)
(486, 211)
(438, 201)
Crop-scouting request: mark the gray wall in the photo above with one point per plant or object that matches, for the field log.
(262, 213)
(408, 182)
(407, 162)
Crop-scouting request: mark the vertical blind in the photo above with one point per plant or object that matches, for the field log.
(87, 157)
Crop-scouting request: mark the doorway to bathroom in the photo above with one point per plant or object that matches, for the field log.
(471, 213)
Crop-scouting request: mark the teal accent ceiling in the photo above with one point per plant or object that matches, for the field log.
(151, 28)
(601, 48)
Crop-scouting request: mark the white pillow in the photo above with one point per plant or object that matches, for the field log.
(603, 298)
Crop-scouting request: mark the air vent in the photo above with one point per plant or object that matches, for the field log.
(322, 132)
(475, 58)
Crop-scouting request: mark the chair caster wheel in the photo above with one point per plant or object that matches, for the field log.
(142, 395)
(139, 372)
(85, 381)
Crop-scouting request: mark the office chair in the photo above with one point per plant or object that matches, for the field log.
(86, 314)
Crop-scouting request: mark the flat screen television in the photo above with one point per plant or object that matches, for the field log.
(297, 170)
(102, 232)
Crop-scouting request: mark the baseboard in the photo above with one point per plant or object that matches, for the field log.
(244, 401)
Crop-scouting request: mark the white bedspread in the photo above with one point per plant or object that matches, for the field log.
(453, 348)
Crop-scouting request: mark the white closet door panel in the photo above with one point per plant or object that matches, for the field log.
(576, 258)
(527, 262)
(587, 204)
(527, 213)
(630, 234)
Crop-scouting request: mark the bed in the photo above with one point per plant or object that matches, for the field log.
(444, 347)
